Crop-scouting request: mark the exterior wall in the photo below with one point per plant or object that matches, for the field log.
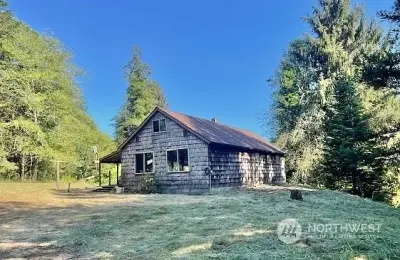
(235, 168)
(195, 181)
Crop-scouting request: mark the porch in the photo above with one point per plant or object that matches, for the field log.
(115, 159)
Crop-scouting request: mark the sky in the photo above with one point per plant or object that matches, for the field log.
(212, 58)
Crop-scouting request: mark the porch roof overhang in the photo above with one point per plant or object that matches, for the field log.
(114, 157)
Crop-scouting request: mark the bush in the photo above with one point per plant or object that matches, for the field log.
(147, 185)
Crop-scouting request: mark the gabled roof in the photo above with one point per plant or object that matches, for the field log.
(214, 133)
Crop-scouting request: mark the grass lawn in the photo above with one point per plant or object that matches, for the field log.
(233, 224)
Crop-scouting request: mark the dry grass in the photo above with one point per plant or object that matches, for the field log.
(39, 222)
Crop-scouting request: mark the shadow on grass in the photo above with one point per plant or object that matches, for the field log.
(228, 224)
(235, 224)
(30, 227)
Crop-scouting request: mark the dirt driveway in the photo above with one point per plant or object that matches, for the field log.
(33, 215)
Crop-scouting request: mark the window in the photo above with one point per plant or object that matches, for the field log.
(185, 133)
(137, 139)
(178, 160)
(275, 159)
(144, 162)
(159, 126)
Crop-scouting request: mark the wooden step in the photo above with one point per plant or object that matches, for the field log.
(107, 188)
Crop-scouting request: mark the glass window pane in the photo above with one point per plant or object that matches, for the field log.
(183, 160)
(139, 162)
(148, 157)
(172, 160)
(162, 125)
(156, 126)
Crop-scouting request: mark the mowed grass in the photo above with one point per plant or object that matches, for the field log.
(236, 224)
(230, 224)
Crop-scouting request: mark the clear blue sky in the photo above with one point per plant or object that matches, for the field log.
(211, 57)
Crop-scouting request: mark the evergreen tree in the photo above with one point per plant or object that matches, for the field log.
(307, 77)
(326, 138)
(347, 143)
(143, 95)
(382, 72)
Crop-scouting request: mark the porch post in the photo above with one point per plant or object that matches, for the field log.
(100, 174)
(117, 172)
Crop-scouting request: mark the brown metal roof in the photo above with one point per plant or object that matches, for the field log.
(218, 133)
(114, 157)
(212, 132)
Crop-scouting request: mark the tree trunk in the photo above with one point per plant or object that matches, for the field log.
(35, 168)
(354, 188)
(22, 167)
(30, 166)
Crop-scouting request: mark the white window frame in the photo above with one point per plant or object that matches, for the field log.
(152, 125)
(144, 163)
(177, 157)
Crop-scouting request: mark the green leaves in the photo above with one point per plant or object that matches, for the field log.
(42, 110)
(143, 95)
(336, 109)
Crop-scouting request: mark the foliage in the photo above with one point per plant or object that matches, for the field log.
(336, 104)
(143, 95)
(147, 185)
(347, 146)
(42, 114)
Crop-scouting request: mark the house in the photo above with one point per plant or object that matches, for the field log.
(191, 155)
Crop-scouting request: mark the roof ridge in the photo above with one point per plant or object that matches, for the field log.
(235, 128)
(217, 132)
(240, 130)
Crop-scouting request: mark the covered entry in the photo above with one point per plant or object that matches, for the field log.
(112, 158)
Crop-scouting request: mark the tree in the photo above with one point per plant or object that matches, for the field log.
(382, 72)
(42, 112)
(392, 16)
(347, 146)
(307, 77)
(143, 95)
(337, 107)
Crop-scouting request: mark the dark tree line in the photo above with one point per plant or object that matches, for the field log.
(337, 108)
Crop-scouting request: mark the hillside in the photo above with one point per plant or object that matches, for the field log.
(43, 116)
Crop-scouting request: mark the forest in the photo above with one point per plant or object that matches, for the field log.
(336, 104)
(336, 109)
(43, 118)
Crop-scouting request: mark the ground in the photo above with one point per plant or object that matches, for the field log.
(38, 221)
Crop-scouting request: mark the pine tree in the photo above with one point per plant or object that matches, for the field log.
(307, 78)
(347, 142)
(143, 95)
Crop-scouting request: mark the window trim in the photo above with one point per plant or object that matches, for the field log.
(152, 125)
(177, 157)
(144, 163)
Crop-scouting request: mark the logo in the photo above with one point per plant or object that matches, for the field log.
(289, 231)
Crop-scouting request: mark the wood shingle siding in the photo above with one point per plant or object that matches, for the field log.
(192, 182)
(256, 162)
(233, 167)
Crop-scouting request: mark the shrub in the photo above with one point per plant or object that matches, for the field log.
(147, 185)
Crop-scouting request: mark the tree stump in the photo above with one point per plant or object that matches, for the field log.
(296, 195)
